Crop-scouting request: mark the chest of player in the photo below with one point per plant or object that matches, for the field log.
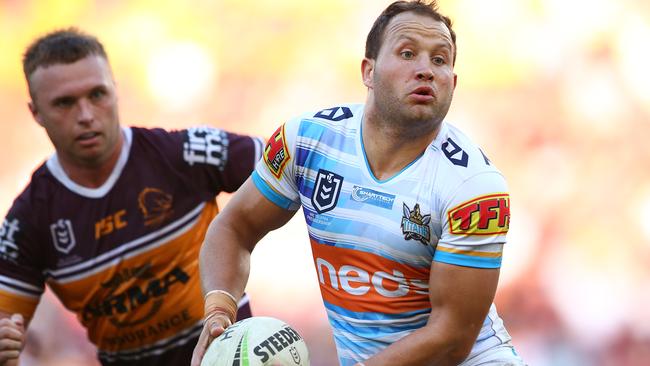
(343, 205)
(78, 227)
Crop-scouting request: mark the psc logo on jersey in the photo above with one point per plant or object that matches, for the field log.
(276, 155)
(484, 215)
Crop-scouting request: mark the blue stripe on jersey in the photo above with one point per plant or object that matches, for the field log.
(372, 332)
(365, 316)
(326, 135)
(271, 194)
(466, 260)
(376, 235)
(310, 158)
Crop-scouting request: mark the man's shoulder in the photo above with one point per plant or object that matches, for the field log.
(38, 188)
(461, 154)
(332, 114)
(34, 200)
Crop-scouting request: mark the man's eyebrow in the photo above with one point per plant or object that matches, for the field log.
(441, 42)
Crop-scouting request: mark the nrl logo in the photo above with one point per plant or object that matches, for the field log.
(326, 191)
(415, 226)
(62, 236)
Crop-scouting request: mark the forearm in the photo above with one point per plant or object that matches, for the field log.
(224, 260)
(433, 344)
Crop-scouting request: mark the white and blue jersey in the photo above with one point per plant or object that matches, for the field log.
(374, 241)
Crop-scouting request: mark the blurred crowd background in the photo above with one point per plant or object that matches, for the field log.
(557, 92)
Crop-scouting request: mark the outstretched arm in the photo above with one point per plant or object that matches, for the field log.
(224, 261)
(460, 300)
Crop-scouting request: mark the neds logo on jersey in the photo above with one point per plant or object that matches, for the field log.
(485, 215)
(276, 154)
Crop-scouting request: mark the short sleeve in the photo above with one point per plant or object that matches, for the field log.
(274, 175)
(475, 221)
(211, 159)
(21, 275)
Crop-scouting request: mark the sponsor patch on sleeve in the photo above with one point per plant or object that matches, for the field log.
(276, 154)
(484, 215)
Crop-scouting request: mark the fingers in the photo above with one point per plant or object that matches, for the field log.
(12, 338)
(201, 347)
(8, 358)
(18, 320)
(213, 327)
(217, 324)
(11, 330)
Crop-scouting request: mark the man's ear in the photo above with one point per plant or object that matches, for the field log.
(34, 111)
(455, 80)
(367, 72)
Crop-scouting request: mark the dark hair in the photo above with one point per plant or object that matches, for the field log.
(376, 34)
(61, 46)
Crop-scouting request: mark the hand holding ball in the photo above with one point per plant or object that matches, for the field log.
(258, 341)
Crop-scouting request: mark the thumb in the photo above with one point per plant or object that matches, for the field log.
(18, 319)
(216, 329)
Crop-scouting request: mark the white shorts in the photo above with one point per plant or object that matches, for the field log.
(503, 355)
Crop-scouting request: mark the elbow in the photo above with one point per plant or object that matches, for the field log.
(451, 346)
(459, 349)
(457, 356)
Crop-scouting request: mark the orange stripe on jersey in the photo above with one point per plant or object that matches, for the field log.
(474, 253)
(11, 303)
(143, 299)
(365, 282)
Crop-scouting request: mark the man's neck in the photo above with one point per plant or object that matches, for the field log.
(388, 149)
(93, 175)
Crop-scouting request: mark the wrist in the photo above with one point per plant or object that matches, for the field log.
(220, 303)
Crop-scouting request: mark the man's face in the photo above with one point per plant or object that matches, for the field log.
(77, 105)
(412, 80)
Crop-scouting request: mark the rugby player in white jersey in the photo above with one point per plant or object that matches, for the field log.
(407, 218)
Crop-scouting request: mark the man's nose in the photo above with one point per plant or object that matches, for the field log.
(85, 111)
(425, 74)
(424, 71)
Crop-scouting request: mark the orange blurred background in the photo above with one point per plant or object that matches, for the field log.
(557, 93)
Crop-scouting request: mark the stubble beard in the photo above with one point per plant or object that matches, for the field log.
(403, 121)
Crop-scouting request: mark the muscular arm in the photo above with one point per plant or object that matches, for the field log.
(12, 338)
(224, 260)
(460, 300)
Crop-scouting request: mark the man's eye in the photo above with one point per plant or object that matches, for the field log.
(96, 94)
(407, 55)
(438, 60)
(64, 103)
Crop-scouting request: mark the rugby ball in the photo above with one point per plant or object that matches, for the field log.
(258, 341)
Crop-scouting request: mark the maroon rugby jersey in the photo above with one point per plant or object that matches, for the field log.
(124, 256)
